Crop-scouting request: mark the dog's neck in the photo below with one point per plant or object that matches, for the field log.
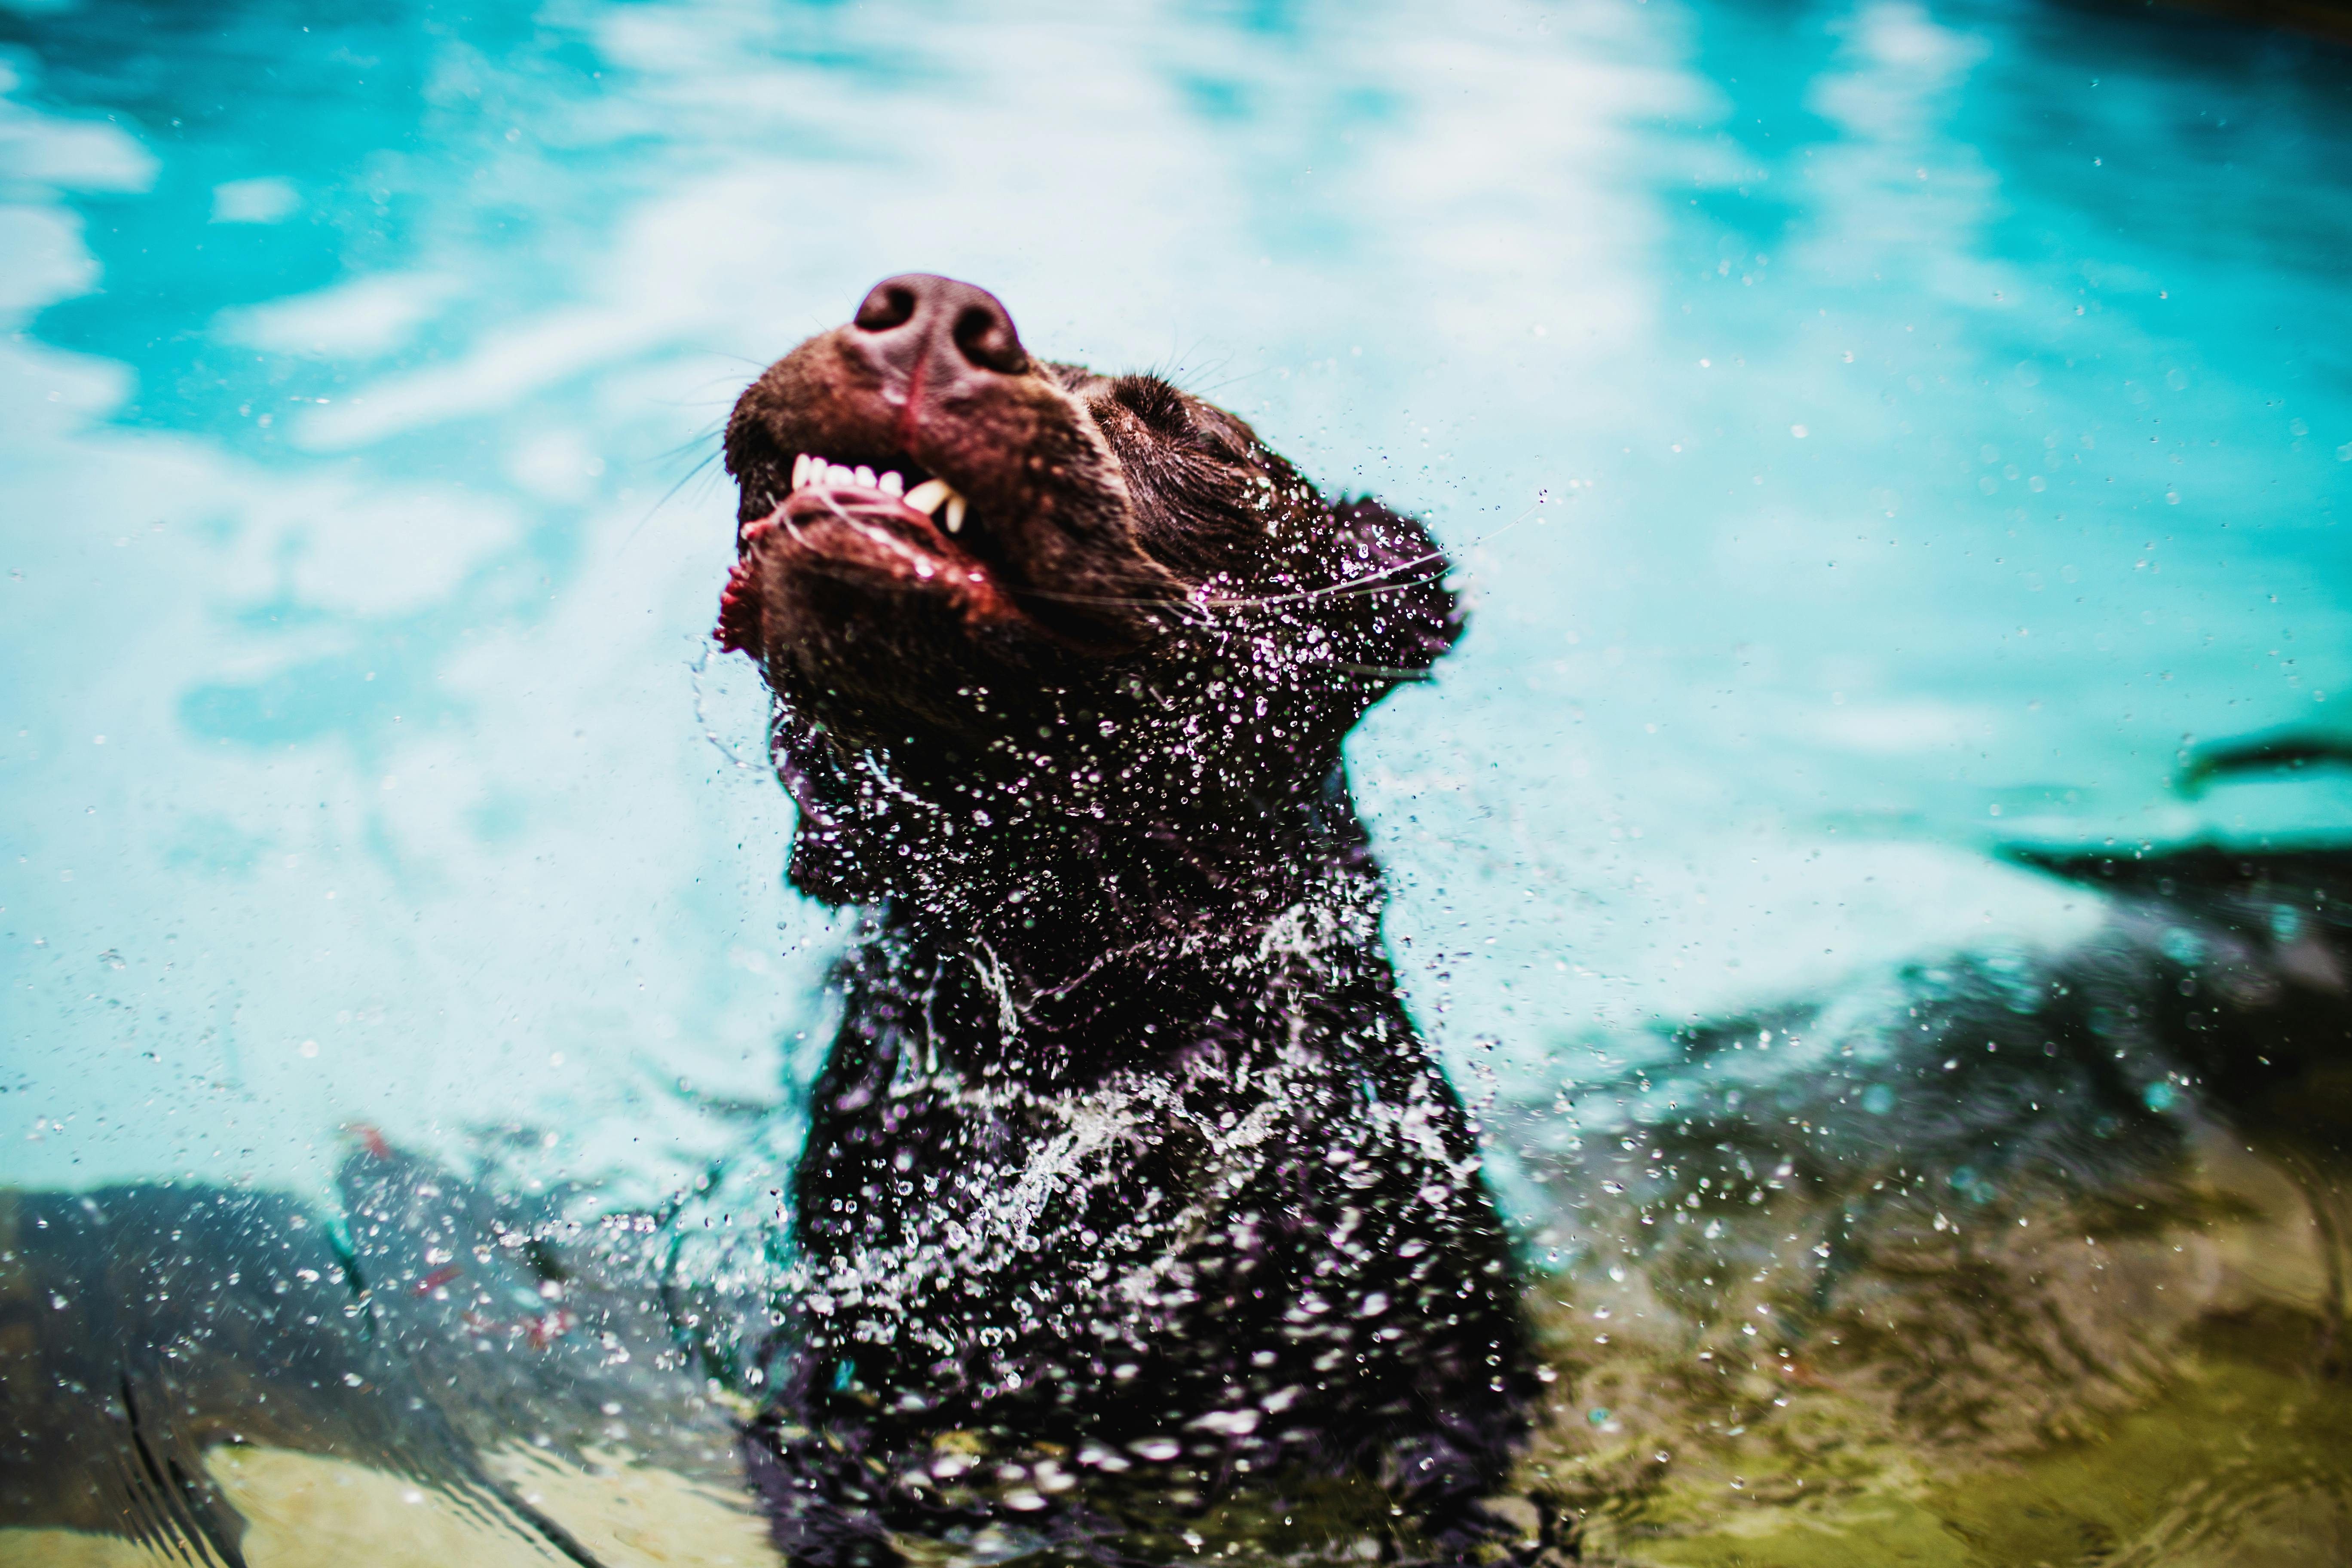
(1049, 943)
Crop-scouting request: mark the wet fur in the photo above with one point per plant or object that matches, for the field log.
(1130, 1177)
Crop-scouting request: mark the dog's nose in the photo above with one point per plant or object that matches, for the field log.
(918, 325)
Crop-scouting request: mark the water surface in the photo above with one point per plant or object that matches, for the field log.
(1872, 434)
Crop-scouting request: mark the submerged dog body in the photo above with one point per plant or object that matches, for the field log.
(1127, 1165)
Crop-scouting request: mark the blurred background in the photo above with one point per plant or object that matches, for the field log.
(1870, 432)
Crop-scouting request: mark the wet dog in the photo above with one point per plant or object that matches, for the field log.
(1130, 1185)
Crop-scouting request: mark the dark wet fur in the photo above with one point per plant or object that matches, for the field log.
(1129, 1178)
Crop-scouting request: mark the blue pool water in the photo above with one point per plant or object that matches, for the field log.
(1871, 433)
(1943, 411)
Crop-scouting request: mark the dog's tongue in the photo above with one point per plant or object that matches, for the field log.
(739, 603)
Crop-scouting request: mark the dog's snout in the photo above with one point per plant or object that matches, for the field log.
(921, 325)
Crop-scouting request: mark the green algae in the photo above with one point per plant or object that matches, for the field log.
(2211, 1467)
(2149, 1375)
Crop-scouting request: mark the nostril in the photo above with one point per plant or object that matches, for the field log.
(916, 318)
(890, 305)
(985, 335)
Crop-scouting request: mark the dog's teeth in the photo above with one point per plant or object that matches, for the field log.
(865, 477)
(955, 513)
(801, 466)
(926, 497)
(841, 474)
(891, 484)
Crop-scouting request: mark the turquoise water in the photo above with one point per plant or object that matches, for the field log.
(1943, 411)
(1870, 434)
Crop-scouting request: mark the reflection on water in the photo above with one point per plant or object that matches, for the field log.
(1942, 415)
(2017, 1259)
(2006, 1261)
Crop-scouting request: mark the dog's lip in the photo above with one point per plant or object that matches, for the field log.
(929, 495)
(880, 516)
(862, 530)
(895, 490)
(920, 519)
(857, 534)
(838, 516)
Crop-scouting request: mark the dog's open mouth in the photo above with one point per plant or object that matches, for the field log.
(917, 492)
(916, 519)
(932, 498)
(887, 524)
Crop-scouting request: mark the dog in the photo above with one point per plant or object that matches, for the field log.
(1130, 1187)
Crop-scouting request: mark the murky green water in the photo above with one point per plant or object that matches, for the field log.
(1942, 418)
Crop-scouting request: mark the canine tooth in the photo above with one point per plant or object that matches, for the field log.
(841, 474)
(865, 477)
(891, 484)
(801, 466)
(926, 496)
(956, 504)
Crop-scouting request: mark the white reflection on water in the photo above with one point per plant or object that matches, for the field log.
(1939, 410)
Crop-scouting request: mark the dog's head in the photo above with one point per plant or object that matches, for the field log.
(993, 594)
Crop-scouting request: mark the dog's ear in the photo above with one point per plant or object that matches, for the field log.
(1387, 605)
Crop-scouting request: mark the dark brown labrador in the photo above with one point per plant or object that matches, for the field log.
(1130, 1185)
